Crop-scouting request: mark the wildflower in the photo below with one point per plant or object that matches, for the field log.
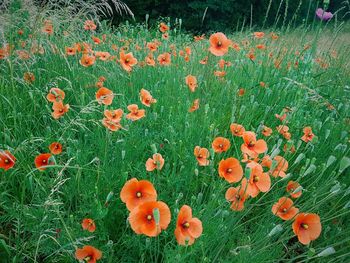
(146, 98)
(280, 167)
(188, 228)
(29, 77)
(70, 51)
(55, 95)
(292, 189)
(104, 96)
(323, 15)
(87, 61)
(163, 27)
(220, 144)
(258, 181)
(90, 25)
(150, 60)
(47, 28)
(251, 146)
(88, 254)
(219, 44)
(202, 155)
(237, 129)
(136, 192)
(307, 227)
(89, 225)
(308, 134)
(237, 196)
(59, 109)
(164, 59)
(55, 148)
(195, 106)
(284, 208)
(143, 220)
(266, 131)
(156, 162)
(42, 161)
(114, 115)
(104, 56)
(7, 160)
(221, 74)
(191, 82)
(135, 113)
(152, 46)
(231, 170)
(259, 34)
(127, 61)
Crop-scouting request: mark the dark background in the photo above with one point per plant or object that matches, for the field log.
(231, 14)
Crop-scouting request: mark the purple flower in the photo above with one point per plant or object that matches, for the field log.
(323, 15)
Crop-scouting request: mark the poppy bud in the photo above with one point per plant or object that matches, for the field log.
(336, 188)
(242, 109)
(206, 108)
(196, 172)
(326, 252)
(146, 132)
(109, 197)
(309, 170)
(327, 133)
(199, 198)
(300, 157)
(154, 148)
(275, 153)
(123, 154)
(277, 229)
(344, 163)
(247, 172)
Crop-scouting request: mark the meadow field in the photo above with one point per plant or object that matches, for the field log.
(143, 143)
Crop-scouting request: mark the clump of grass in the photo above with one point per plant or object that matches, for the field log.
(300, 73)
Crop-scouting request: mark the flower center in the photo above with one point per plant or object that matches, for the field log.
(219, 44)
(238, 197)
(88, 258)
(149, 217)
(200, 156)
(127, 60)
(255, 179)
(284, 210)
(229, 170)
(60, 110)
(138, 194)
(220, 145)
(251, 144)
(44, 161)
(186, 225)
(305, 226)
(7, 161)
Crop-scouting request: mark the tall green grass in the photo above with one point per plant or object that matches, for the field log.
(41, 212)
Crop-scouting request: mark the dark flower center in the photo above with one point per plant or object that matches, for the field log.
(305, 226)
(186, 225)
(138, 194)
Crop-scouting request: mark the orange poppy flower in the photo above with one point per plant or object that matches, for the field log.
(280, 167)
(266, 161)
(150, 218)
(204, 61)
(146, 98)
(231, 170)
(114, 115)
(292, 187)
(261, 46)
(163, 27)
(152, 46)
(307, 227)
(237, 196)
(87, 61)
(266, 131)
(89, 25)
(55, 95)
(258, 180)
(191, 82)
(308, 134)
(198, 38)
(156, 163)
(104, 96)
(127, 61)
(202, 155)
(59, 109)
(165, 36)
(284, 208)
(70, 51)
(220, 144)
(218, 73)
(188, 228)
(47, 28)
(219, 44)
(195, 106)
(55, 148)
(281, 117)
(88, 254)
(7, 160)
(241, 92)
(237, 129)
(104, 56)
(150, 61)
(135, 114)
(289, 148)
(111, 125)
(42, 161)
(96, 40)
(88, 224)
(28, 77)
(251, 146)
(136, 192)
(259, 34)
(164, 59)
